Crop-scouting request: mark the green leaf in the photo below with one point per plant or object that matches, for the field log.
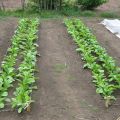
(7, 100)
(99, 90)
(20, 110)
(78, 49)
(2, 105)
(4, 94)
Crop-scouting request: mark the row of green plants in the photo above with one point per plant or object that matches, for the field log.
(105, 72)
(26, 70)
(7, 72)
(24, 34)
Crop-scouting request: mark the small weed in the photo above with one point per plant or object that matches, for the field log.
(29, 14)
(60, 67)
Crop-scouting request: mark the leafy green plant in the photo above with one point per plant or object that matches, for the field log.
(23, 43)
(25, 77)
(7, 73)
(106, 74)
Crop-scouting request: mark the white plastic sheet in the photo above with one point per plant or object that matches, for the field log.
(113, 26)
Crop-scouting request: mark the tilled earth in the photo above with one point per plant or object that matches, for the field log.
(111, 5)
(65, 89)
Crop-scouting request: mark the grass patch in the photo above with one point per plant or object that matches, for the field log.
(109, 15)
(88, 13)
(50, 14)
(77, 12)
(65, 12)
(26, 13)
(70, 11)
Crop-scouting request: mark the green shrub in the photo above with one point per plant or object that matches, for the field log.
(69, 2)
(91, 4)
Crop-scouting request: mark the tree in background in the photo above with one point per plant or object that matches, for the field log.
(70, 2)
(47, 4)
(57, 4)
(23, 4)
(91, 4)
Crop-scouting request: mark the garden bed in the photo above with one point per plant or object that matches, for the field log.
(65, 89)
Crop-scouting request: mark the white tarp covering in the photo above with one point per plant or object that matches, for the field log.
(113, 26)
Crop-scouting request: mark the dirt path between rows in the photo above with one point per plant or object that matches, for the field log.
(65, 90)
(7, 28)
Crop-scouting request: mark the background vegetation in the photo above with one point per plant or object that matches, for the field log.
(58, 9)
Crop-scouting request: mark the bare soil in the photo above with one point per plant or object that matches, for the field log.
(65, 90)
(111, 5)
(7, 28)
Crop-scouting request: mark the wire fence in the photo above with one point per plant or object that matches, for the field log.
(11, 4)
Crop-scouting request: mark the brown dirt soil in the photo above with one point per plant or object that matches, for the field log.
(65, 90)
(7, 27)
(111, 5)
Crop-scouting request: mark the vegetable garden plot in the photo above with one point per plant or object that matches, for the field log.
(106, 74)
(68, 93)
(23, 43)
